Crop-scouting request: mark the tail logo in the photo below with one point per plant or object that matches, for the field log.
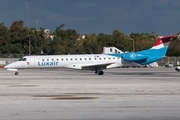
(132, 55)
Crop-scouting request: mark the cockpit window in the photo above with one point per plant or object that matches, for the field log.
(22, 59)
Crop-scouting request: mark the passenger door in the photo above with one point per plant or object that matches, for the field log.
(32, 61)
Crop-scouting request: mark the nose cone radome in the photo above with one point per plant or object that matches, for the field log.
(8, 66)
(12, 65)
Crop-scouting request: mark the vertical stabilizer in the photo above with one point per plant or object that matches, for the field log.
(163, 42)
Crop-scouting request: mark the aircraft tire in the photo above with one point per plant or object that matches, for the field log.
(101, 73)
(16, 73)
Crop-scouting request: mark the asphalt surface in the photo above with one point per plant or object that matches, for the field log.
(64, 94)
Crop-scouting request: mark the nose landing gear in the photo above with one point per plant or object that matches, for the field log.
(16, 73)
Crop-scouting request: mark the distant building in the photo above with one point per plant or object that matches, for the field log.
(47, 34)
(80, 37)
(111, 50)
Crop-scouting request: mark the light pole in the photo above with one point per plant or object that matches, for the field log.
(29, 46)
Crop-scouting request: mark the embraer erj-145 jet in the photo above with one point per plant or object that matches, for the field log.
(94, 62)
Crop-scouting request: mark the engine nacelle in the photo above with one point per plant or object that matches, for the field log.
(134, 56)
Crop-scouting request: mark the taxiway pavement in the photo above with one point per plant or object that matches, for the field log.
(64, 94)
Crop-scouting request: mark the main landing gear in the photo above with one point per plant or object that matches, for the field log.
(99, 72)
(16, 73)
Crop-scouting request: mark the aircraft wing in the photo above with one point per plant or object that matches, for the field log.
(94, 67)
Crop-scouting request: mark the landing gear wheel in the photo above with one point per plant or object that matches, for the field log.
(16, 73)
(98, 72)
(101, 73)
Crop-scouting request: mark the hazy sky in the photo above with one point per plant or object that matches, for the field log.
(96, 16)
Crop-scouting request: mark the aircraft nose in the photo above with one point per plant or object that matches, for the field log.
(12, 65)
(7, 66)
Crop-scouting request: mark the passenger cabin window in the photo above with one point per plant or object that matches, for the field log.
(57, 59)
(62, 59)
(47, 59)
(80, 58)
(42, 59)
(84, 58)
(52, 59)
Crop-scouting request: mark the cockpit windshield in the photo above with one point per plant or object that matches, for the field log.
(22, 59)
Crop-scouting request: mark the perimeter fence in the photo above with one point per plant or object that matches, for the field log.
(174, 60)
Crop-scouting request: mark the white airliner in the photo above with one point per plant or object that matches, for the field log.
(93, 62)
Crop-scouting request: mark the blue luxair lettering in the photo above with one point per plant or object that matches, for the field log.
(47, 63)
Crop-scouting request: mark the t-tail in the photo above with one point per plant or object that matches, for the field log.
(154, 54)
(163, 43)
